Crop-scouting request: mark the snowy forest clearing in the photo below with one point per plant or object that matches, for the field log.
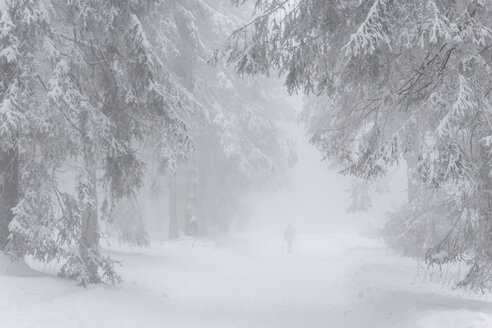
(335, 280)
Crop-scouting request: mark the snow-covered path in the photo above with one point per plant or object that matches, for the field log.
(333, 281)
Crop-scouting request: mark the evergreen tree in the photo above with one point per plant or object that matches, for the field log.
(24, 174)
(126, 91)
(359, 193)
(82, 84)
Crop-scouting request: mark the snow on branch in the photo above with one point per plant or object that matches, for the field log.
(373, 31)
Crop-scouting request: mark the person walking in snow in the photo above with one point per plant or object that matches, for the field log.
(289, 236)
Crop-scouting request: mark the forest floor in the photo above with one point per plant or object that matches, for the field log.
(333, 281)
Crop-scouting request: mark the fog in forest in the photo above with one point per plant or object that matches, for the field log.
(316, 198)
(246, 163)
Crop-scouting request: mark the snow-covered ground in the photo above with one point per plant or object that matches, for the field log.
(335, 280)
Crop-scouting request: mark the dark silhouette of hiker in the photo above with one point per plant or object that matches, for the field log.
(289, 236)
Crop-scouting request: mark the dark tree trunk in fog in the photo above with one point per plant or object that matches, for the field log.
(190, 214)
(413, 184)
(9, 191)
(485, 195)
(173, 207)
(90, 223)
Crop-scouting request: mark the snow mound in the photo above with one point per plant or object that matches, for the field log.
(455, 319)
(16, 268)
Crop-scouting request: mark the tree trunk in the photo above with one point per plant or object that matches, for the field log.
(89, 242)
(9, 191)
(190, 215)
(412, 182)
(90, 224)
(173, 207)
(485, 199)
